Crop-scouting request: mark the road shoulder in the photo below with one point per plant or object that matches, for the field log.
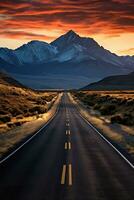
(114, 133)
(18, 136)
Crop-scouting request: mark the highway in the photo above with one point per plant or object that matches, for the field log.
(67, 160)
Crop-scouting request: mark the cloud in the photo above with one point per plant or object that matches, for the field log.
(87, 17)
(129, 51)
(24, 35)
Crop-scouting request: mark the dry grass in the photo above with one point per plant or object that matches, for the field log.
(9, 139)
(121, 134)
(19, 105)
(117, 106)
(22, 111)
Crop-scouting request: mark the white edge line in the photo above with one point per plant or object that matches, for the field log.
(107, 141)
(11, 154)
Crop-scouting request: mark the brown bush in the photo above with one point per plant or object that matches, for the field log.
(38, 109)
(126, 119)
(107, 109)
(97, 106)
(5, 118)
(116, 119)
(15, 111)
(10, 124)
(18, 123)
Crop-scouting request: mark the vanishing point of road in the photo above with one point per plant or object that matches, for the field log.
(67, 160)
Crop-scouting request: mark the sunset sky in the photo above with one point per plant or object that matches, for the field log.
(109, 22)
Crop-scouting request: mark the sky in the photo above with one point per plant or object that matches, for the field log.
(109, 22)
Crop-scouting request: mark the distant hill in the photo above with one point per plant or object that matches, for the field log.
(70, 61)
(5, 79)
(120, 82)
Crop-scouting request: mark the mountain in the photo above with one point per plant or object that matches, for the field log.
(5, 79)
(68, 62)
(32, 52)
(120, 82)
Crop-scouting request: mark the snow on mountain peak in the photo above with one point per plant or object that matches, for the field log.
(69, 46)
(35, 51)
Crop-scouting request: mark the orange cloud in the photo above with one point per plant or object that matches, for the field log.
(127, 51)
(87, 17)
(24, 35)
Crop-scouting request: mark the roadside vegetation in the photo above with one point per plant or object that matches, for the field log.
(23, 111)
(111, 112)
(19, 105)
(117, 106)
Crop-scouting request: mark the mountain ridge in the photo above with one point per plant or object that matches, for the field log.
(5, 79)
(69, 55)
(118, 82)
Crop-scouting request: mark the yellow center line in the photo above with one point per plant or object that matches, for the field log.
(69, 145)
(65, 145)
(63, 175)
(70, 175)
(68, 132)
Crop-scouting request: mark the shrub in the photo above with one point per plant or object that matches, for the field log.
(10, 124)
(49, 98)
(97, 106)
(38, 109)
(107, 109)
(5, 118)
(116, 119)
(130, 102)
(126, 119)
(19, 117)
(14, 93)
(3, 112)
(27, 114)
(18, 123)
(15, 111)
(89, 102)
(40, 101)
(80, 94)
(122, 101)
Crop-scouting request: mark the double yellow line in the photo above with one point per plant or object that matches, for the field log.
(66, 175)
(67, 145)
(67, 132)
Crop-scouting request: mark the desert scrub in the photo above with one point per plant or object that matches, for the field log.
(5, 118)
(15, 111)
(38, 109)
(126, 119)
(107, 109)
(49, 98)
(118, 107)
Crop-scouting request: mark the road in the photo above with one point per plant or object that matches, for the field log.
(67, 160)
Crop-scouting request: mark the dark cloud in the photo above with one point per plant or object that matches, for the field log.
(86, 16)
(24, 35)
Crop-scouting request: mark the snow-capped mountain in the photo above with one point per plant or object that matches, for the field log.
(35, 51)
(72, 45)
(67, 47)
(32, 52)
(67, 59)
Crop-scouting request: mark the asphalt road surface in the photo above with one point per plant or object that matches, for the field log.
(67, 160)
